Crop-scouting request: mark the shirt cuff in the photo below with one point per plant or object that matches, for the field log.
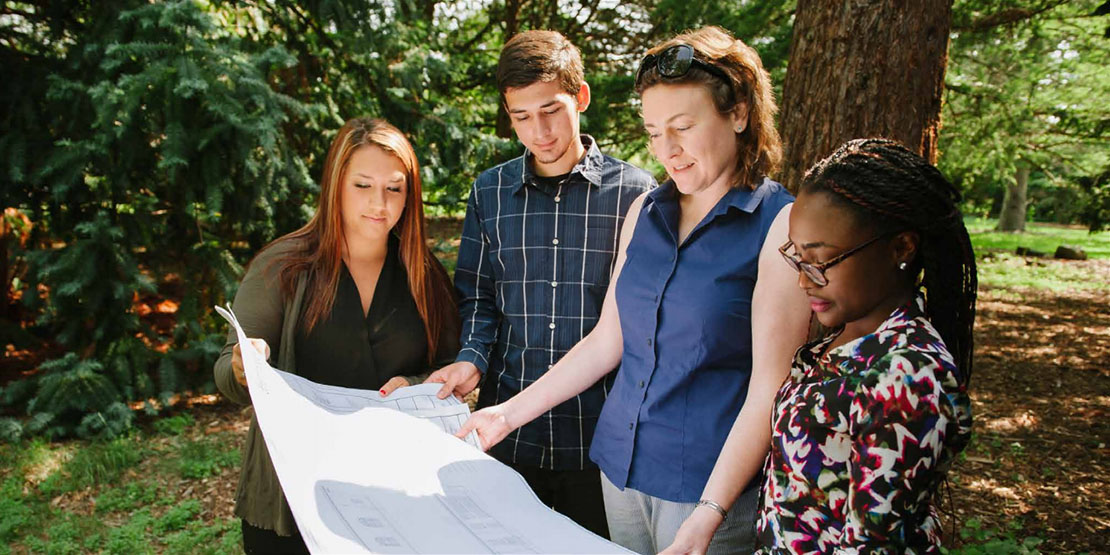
(471, 355)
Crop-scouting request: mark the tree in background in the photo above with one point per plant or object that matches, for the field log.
(143, 142)
(863, 69)
(1026, 110)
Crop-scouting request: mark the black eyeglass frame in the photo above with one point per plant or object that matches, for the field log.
(675, 62)
(816, 272)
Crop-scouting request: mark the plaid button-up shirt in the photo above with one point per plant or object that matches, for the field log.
(533, 268)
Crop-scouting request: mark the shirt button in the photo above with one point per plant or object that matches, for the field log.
(555, 241)
(554, 284)
(641, 384)
(558, 198)
(656, 299)
(631, 425)
(551, 325)
(649, 341)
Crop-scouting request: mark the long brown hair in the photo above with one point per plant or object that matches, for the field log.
(317, 247)
(759, 145)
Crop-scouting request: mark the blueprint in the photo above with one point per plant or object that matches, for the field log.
(367, 474)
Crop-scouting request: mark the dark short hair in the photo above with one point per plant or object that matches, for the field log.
(537, 57)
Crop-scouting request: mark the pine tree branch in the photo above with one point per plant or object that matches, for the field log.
(1006, 17)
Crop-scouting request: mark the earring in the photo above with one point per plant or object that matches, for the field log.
(901, 265)
(739, 128)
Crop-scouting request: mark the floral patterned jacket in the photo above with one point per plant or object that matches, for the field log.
(862, 437)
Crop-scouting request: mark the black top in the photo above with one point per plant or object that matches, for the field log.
(550, 182)
(349, 350)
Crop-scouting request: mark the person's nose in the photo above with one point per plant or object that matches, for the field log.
(669, 147)
(375, 200)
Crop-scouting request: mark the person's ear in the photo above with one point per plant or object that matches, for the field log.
(583, 97)
(739, 117)
(904, 248)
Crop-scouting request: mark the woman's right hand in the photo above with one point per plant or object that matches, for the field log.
(491, 423)
(237, 358)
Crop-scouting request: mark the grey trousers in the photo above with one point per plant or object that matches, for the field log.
(647, 524)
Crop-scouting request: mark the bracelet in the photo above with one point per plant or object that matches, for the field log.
(712, 505)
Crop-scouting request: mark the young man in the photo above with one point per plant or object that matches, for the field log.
(539, 243)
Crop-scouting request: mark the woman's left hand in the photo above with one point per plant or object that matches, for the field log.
(392, 384)
(696, 532)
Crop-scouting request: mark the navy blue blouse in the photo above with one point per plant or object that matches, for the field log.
(685, 313)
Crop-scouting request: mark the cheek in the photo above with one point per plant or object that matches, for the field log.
(397, 204)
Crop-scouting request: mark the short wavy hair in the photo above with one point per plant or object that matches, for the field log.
(759, 144)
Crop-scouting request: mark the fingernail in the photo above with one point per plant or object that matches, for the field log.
(382, 391)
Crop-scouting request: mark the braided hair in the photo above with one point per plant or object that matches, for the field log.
(885, 185)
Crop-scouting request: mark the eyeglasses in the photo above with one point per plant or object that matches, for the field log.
(816, 272)
(676, 61)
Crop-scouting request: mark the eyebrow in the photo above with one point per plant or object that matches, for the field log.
(394, 178)
(815, 245)
(519, 110)
(670, 119)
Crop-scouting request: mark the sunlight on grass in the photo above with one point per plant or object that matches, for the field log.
(1006, 270)
(1041, 237)
(1001, 268)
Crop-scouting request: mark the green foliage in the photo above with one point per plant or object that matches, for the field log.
(11, 430)
(205, 457)
(177, 517)
(127, 498)
(160, 140)
(1026, 86)
(174, 425)
(999, 266)
(75, 395)
(132, 536)
(1039, 237)
(15, 515)
(980, 540)
(221, 537)
(99, 463)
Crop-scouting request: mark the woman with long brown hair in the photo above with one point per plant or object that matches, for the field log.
(354, 298)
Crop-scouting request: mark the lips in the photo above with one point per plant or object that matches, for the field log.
(681, 167)
(546, 146)
(819, 305)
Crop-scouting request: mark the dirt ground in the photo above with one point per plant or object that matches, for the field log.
(1041, 397)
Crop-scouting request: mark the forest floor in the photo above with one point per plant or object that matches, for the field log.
(1035, 475)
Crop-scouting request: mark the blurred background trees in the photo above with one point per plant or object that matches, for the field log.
(147, 150)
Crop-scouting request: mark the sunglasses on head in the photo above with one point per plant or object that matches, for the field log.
(676, 61)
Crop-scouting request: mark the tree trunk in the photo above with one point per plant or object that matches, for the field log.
(1012, 216)
(863, 69)
(511, 18)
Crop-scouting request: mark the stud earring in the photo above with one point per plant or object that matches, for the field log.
(901, 265)
(739, 128)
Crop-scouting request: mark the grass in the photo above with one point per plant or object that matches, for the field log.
(1040, 237)
(1001, 268)
(130, 495)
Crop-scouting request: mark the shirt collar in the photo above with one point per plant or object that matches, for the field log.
(739, 198)
(589, 167)
(900, 318)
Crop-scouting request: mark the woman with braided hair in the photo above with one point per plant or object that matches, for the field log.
(868, 423)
